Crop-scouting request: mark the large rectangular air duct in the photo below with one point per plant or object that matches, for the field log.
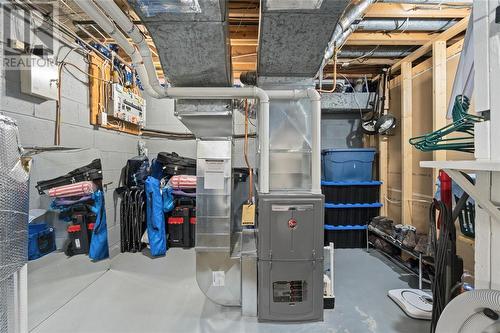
(191, 37)
(294, 34)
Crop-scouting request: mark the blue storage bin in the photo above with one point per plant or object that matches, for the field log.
(351, 192)
(348, 164)
(42, 240)
(350, 214)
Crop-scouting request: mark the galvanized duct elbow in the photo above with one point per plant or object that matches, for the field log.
(354, 11)
(379, 52)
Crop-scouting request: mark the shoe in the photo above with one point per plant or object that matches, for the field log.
(410, 237)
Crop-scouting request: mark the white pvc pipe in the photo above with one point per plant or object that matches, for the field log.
(332, 265)
(100, 18)
(96, 14)
(21, 300)
(147, 74)
(315, 99)
(117, 15)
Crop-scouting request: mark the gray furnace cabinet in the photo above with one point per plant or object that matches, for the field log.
(290, 254)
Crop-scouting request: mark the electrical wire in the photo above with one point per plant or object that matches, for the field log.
(334, 84)
(57, 130)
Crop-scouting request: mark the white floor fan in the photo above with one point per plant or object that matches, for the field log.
(476, 311)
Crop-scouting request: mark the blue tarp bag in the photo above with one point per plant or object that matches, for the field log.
(168, 199)
(99, 243)
(155, 218)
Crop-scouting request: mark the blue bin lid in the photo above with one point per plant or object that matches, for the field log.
(345, 227)
(347, 150)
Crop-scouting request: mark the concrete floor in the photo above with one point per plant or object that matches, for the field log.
(161, 295)
(55, 279)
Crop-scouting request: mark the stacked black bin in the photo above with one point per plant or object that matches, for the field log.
(349, 207)
(181, 224)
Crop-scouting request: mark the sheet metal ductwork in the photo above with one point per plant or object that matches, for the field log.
(378, 52)
(191, 38)
(293, 39)
(405, 24)
(193, 44)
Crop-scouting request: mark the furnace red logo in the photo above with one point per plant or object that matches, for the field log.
(292, 223)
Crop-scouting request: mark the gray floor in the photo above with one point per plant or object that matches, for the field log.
(143, 295)
(55, 279)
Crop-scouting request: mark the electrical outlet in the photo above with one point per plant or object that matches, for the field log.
(102, 119)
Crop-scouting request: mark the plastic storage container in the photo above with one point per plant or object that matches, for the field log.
(42, 240)
(350, 214)
(348, 164)
(351, 192)
(181, 225)
(79, 242)
(346, 237)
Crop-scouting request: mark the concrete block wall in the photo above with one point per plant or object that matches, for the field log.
(160, 116)
(36, 121)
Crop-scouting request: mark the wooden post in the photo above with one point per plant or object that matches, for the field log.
(406, 148)
(383, 149)
(383, 146)
(439, 102)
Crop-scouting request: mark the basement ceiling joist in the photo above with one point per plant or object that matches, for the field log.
(393, 10)
(244, 21)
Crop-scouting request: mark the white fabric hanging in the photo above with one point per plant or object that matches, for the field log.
(464, 79)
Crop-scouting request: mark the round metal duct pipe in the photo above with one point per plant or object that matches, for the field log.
(378, 53)
(402, 24)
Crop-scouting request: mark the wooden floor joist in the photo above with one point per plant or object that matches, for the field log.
(383, 38)
(427, 47)
(393, 10)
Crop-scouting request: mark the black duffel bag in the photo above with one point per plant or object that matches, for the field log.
(176, 165)
(91, 171)
(136, 171)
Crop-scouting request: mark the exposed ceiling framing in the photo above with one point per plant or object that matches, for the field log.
(244, 25)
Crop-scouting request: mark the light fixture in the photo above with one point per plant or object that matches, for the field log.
(385, 123)
(368, 126)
